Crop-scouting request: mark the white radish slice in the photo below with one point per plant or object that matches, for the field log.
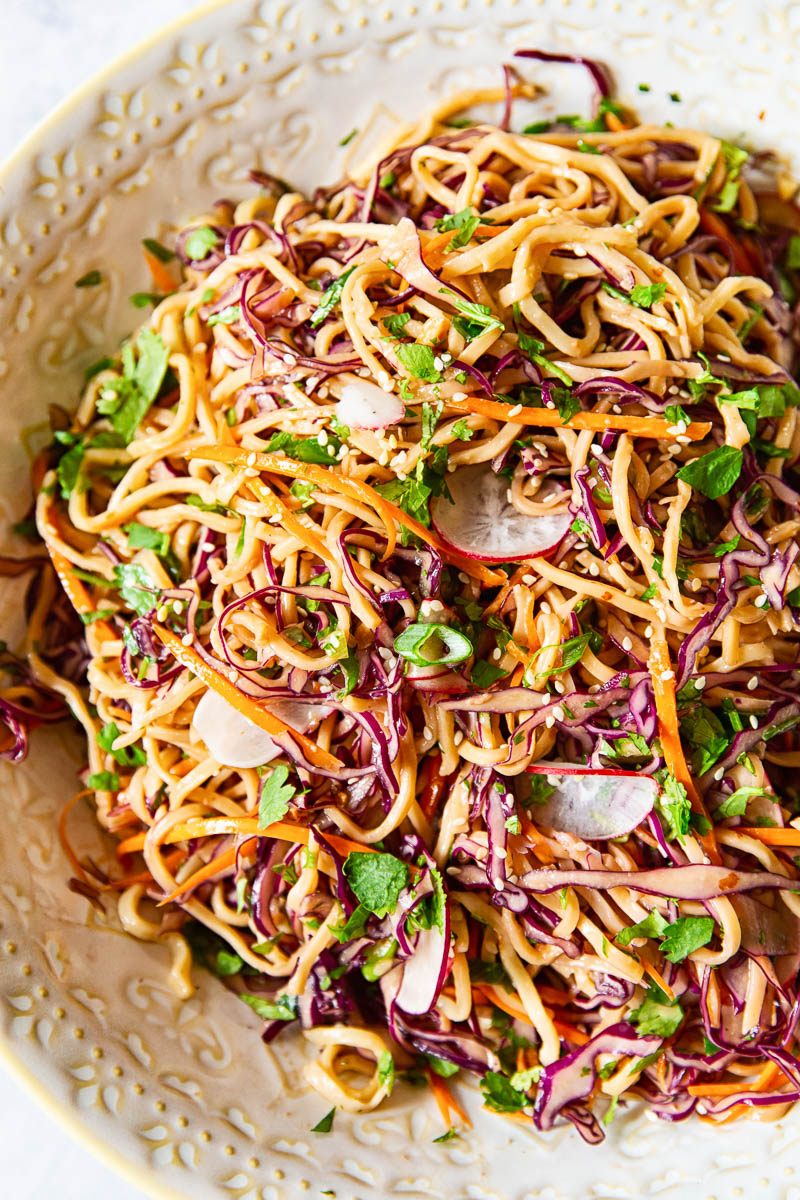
(594, 805)
(424, 970)
(364, 405)
(481, 523)
(234, 741)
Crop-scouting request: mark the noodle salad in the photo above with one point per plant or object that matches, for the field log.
(423, 574)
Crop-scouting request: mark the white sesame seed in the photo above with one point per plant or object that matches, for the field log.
(515, 411)
(499, 883)
(342, 452)
(761, 602)
(251, 472)
(545, 608)
(594, 570)
(558, 685)
(753, 721)
(162, 613)
(177, 606)
(719, 774)
(661, 613)
(322, 437)
(288, 359)
(667, 675)
(700, 682)
(251, 459)
(208, 546)
(615, 408)
(673, 429)
(558, 713)
(459, 397)
(497, 654)
(648, 631)
(187, 639)
(437, 362)
(233, 676)
(509, 496)
(529, 580)
(549, 404)
(383, 458)
(682, 440)
(458, 738)
(627, 644)
(752, 683)
(596, 449)
(549, 722)
(673, 389)
(426, 733)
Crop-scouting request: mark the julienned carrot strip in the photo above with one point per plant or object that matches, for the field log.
(657, 978)
(713, 224)
(570, 1034)
(289, 521)
(614, 123)
(195, 827)
(669, 734)
(221, 863)
(445, 1098)
(130, 845)
(434, 251)
(651, 427)
(62, 832)
(773, 837)
(357, 490)
(161, 276)
(768, 1076)
(171, 861)
(539, 843)
(191, 660)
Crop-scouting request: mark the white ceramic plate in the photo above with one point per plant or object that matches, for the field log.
(183, 1096)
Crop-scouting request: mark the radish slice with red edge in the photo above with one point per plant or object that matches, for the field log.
(593, 805)
(481, 523)
(234, 741)
(424, 972)
(364, 405)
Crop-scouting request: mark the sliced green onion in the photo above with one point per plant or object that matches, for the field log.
(428, 643)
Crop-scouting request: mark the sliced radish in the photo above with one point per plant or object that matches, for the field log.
(594, 805)
(236, 742)
(424, 972)
(766, 930)
(364, 405)
(481, 523)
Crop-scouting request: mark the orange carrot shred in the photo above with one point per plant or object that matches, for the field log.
(160, 275)
(191, 660)
(650, 427)
(357, 490)
(669, 734)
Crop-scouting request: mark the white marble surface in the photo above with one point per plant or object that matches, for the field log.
(47, 49)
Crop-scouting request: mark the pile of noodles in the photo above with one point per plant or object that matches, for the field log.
(564, 310)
